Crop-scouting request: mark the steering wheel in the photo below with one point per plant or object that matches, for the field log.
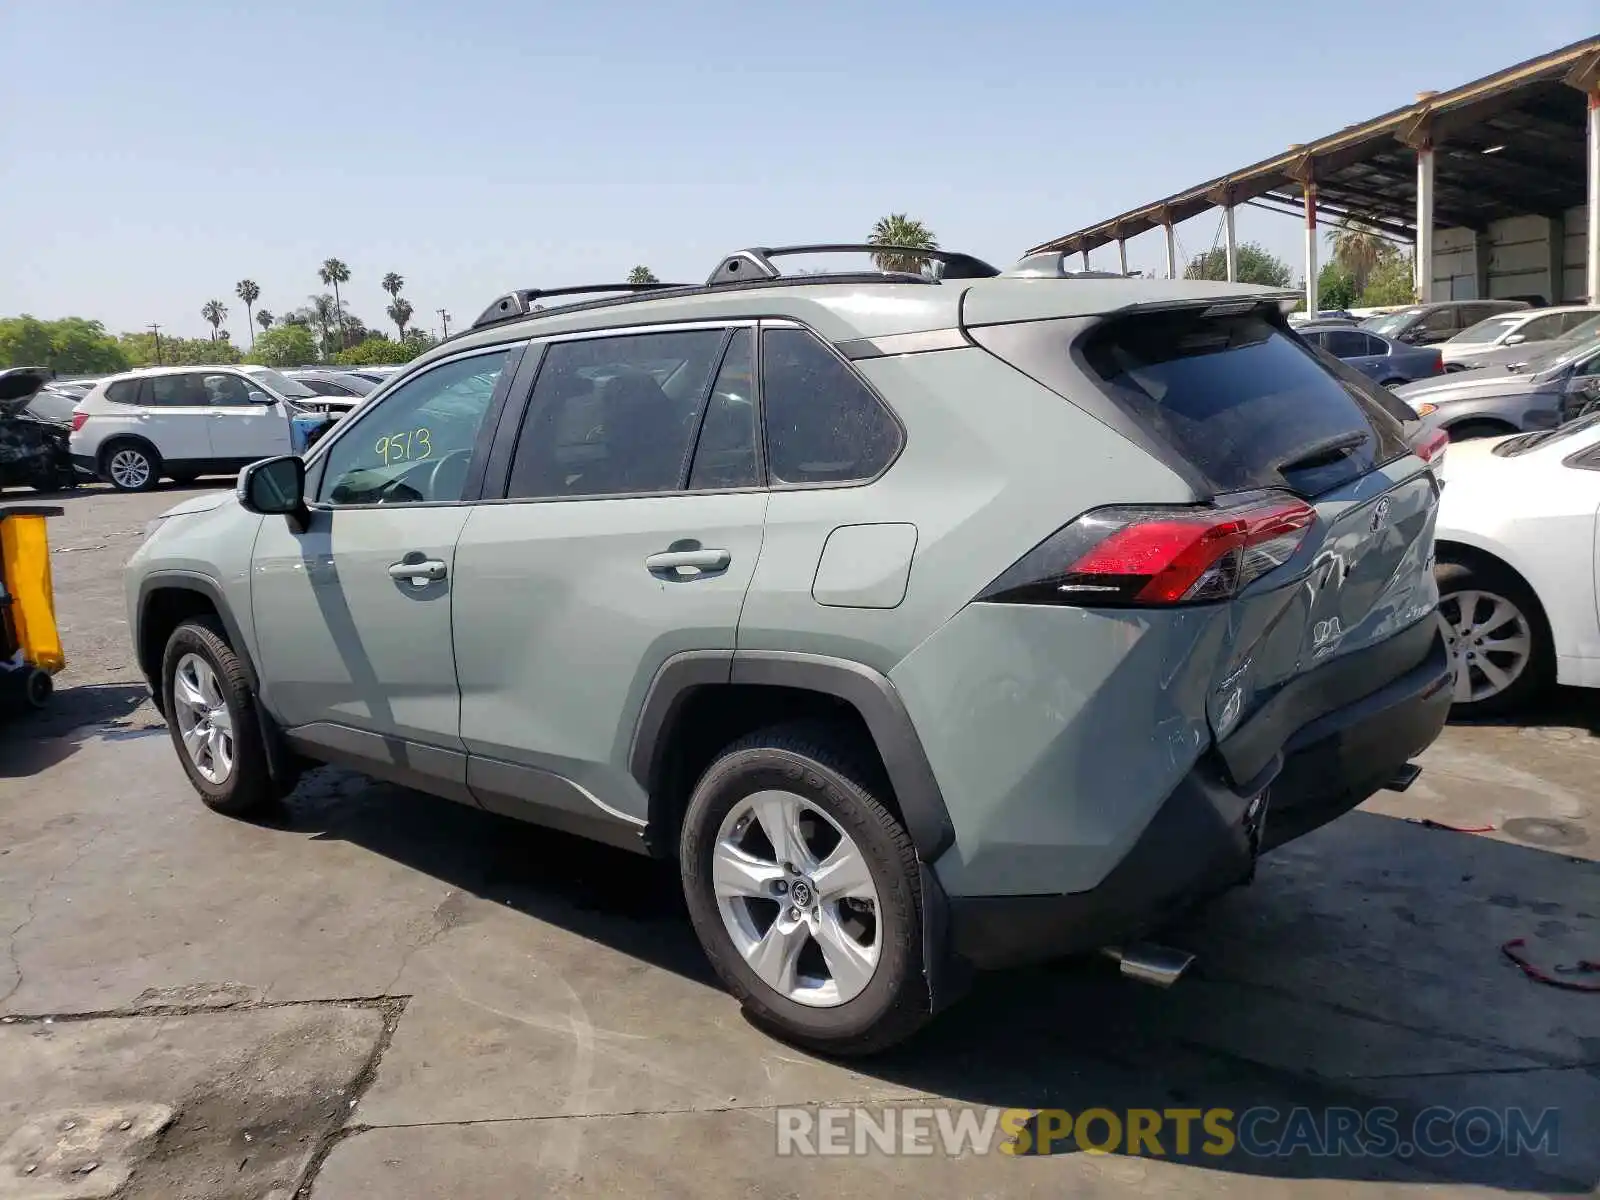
(449, 476)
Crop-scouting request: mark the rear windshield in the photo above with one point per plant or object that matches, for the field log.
(1243, 402)
(1391, 323)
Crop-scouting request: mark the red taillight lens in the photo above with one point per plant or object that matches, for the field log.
(1438, 364)
(1430, 447)
(1157, 555)
(78, 419)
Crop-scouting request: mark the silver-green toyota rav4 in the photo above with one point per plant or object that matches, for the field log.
(931, 618)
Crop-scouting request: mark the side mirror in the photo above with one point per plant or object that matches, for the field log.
(259, 397)
(275, 486)
(1516, 339)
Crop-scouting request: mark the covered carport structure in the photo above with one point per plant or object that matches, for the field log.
(1497, 183)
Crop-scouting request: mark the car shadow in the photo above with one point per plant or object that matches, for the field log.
(1295, 964)
(32, 740)
(1559, 707)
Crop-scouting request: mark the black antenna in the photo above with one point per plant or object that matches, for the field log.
(745, 266)
(521, 303)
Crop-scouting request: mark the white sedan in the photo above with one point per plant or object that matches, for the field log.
(1517, 564)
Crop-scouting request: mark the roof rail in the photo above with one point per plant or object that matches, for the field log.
(521, 303)
(746, 266)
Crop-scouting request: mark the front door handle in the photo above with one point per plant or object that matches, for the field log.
(672, 562)
(418, 571)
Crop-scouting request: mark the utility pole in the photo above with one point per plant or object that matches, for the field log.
(444, 321)
(156, 329)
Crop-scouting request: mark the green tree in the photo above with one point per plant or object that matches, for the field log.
(1256, 265)
(71, 345)
(285, 346)
(400, 312)
(140, 350)
(380, 351)
(898, 229)
(248, 291)
(1359, 249)
(642, 274)
(1391, 283)
(392, 283)
(216, 312)
(1336, 287)
(418, 340)
(264, 319)
(335, 272)
(325, 316)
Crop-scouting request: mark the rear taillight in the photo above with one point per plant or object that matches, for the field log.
(78, 418)
(1157, 556)
(1430, 448)
(1437, 366)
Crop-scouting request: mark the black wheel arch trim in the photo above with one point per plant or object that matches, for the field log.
(866, 690)
(279, 761)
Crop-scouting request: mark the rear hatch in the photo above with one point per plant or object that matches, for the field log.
(18, 386)
(1330, 557)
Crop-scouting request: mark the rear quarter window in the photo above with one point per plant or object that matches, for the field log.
(123, 391)
(1242, 401)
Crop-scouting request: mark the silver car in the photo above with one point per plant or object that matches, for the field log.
(1493, 401)
(1517, 337)
(925, 622)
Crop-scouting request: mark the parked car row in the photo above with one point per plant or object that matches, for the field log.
(181, 423)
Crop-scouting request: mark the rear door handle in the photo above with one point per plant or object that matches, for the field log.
(673, 561)
(418, 571)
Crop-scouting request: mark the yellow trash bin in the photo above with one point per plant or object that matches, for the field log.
(30, 645)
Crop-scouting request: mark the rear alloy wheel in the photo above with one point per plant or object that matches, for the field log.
(1496, 636)
(131, 468)
(803, 889)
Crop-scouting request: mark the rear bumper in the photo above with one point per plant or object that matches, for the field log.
(85, 464)
(1205, 836)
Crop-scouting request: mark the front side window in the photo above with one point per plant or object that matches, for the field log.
(1485, 332)
(613, 416)
(292, 389)
(223, 389)
(417, 444)
(823, 424)
(1542, 329)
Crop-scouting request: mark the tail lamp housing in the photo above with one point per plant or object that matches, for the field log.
(1157, 556)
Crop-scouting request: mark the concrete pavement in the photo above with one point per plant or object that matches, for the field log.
(396, 996)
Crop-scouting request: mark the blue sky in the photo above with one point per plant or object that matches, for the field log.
(157, 152)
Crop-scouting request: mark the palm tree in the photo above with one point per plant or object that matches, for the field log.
(392, 283)
(326, 313)
(1358, 248)
(400, 313)
(642, 274)
(335, 272)
(898, 229)
(216, 312)
(247, 291)
(264, 318)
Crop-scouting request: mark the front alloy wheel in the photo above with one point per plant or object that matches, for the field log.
(204, 722)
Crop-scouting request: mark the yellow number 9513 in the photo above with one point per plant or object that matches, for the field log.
(404, 447)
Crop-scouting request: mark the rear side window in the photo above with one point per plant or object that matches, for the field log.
(177, 391)
(1241, 401)
(123, 391)
(1345, 343)
(823, 424)
(615, 416)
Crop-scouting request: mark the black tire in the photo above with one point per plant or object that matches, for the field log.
(1392, 383)
(250, 785)
(145, 449)
(815, 761)
(1496, 580)
(38, 688)
(1468, 430)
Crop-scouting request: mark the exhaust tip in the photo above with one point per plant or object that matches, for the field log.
(1149, 963)
(1403, 778)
